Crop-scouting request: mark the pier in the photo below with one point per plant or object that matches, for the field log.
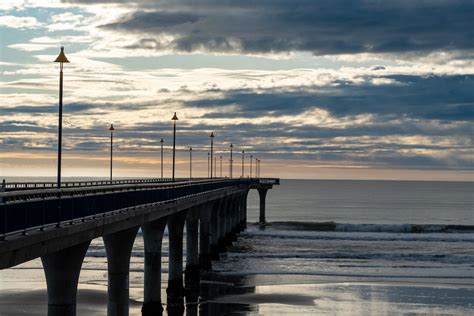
(58, 224)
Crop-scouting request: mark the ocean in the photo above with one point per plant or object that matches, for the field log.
(330, 247)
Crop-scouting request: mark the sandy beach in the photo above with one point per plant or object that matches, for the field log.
(23, 292)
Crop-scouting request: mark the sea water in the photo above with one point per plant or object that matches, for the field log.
(336, 247)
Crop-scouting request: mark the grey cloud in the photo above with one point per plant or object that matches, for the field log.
(319, 27)
(449, 98)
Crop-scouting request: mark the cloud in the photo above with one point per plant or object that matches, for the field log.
(31, 47)
(434, 97)
(320, 27)
(15, 22)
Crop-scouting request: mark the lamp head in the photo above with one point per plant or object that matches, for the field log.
(231, 145)
(61, 57)
(162, 141)
(212, 135)
(174, 118)
(111, 128)
(190, 148)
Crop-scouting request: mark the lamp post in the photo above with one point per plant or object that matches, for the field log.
(174, 119)
(215, 167)
(161, 143)
(251, 160)
(256, 168)
(221, 166)
(190, 163)
(208, 164)
(243, 153)
(61, 59)
(212, 151)
(259, 165)
(111, 129)
(231, 161)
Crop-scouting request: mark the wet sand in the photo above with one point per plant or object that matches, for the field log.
(23, 292)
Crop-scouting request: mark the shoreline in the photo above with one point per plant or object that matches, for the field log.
(254, 294)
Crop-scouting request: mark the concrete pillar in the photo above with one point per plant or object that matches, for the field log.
(205, 236)
(263, 194)
(245, 209)
(222, 225)
(119, 249)
(214, 230)
(192, 247)
(233, 216)
(228, 219)
(153, 237)
(240, 212)
(175, 288)
(62, 271)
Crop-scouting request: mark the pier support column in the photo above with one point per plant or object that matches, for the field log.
(224, 224)
(118, 247)
(62, 271)
(263, 194)
(153, 237)
(175, 288)
(245, 209)
(205, 236)
(240, 210)
(214, 230)
(192, 248)
(228, 222)
(233, 215)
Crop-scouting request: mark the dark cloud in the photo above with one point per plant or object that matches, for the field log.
(320, 27)
(449, 98)
(43, 109)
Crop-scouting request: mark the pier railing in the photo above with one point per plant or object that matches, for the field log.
(41, 208)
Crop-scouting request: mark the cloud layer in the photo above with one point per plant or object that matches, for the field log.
(379, 85)
(319, 27)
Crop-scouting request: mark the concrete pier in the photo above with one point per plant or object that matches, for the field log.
(153, 237)
(262, 192)
(192, 247)
(214, 230)
(223, 223)
(205, 236)
(119, 248)
(175, 288)
(214, 211)
(62, 271)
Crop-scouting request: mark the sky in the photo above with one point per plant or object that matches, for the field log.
(362, 89)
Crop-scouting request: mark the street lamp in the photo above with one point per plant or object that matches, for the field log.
(231, 161)
(212, 151)
(258, 165)
(174, 119)
(256, 168)
(243, 153)
(61, 59)
(190, 163)
(111, 129)
(251, 160)
(161, 143)
(208, 164)
(221, 167)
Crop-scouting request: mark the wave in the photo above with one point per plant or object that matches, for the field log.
(376, 228)
(356, 275)
(389, 256)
